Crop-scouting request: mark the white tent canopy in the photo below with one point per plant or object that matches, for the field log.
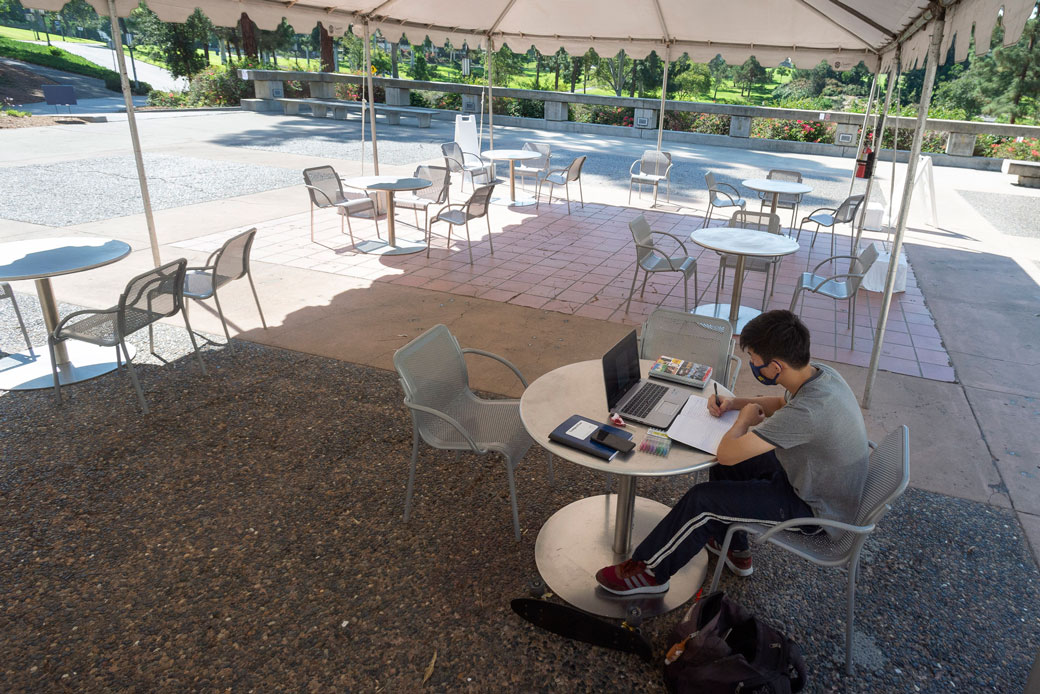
(806, 31)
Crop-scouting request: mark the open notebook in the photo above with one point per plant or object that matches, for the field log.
(694, 425)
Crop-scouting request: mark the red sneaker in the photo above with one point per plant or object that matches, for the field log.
(737, 561)
(630, 577)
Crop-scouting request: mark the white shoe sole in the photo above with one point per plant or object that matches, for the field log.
(730, 565)
(642, 590)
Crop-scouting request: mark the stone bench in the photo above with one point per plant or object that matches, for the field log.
(320, 108)
(1028, 172)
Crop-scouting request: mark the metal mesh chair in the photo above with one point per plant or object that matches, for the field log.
(831, 217)
(787, 201)
(684, 335)
(563, 177)
(888, 474)
(839, 287)
(7, 293)
(461, 213)
(148, 298)
(649, 259)
(326, 190)
(652, 169)
(727, 199)
(434, 194)
(226, 264)
(534, 167)
(446, 414)
(763, 221)
(466, 163)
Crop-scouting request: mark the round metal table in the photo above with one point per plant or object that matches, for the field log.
(512, 156)
(41, 259)
(597, 531)
(776, 188)
(740, 243)
(390, 185)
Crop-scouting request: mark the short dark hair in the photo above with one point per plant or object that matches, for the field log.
(777, 335)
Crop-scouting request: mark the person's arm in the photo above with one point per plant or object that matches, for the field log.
(768, 403)
(739, 443)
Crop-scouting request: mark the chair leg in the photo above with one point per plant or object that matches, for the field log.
(411, 469)
(711, 209)
(54, 367)
(851, 613)
(21, 323)
(133, 378)
(686, 296)
(794, 299)
(551, 187)
(312, 222)
(852, 320)
(765, 289)
(633, 289)
(249, 276)
(630, 191)
(375, 220)
(581, 195)
(350, 229)
(655, 195)
(490, 242)
(194, 344)
(722, 561)
(512, 499)
(223, 321)
(469, 243)
(642, 290)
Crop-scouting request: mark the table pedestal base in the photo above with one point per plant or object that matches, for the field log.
(576, 542)
(32, 370)
(744, 315)
(402, 246)
(521, 201)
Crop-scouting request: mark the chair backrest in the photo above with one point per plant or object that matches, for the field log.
(440, 179)
(432, 372)
(151, 296)
(655, 163)
(644, 240)
(542, 162)
(574, 170)
(846, 211)
(478, 203)
(790, 176)
(762, 221)
(454, 159)
(888, 474)
(325, 179)
(859, 267)
(232, 261)
(709, 178)
(704, 339)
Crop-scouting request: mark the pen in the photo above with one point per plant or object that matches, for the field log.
(717, 401)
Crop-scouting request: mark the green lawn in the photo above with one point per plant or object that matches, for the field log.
(27, 35)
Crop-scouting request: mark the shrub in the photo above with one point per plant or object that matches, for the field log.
(418, 100)
(54, 50)
(169, 99)
(792, 130)
(219, 86)
(686, 121)
(352, 92)
(1023, 149)
(114, 83)
(603, 115)
(450, 102)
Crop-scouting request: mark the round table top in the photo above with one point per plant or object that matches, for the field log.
(738, 241)
(36, 258)
(578, 389)
(769, 185)
(390, 183)
(514, 154)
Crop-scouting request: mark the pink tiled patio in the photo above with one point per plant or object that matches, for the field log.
(582, 264)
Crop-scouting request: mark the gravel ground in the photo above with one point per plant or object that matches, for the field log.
(1009, 213)
(102, 188)
(247, 536)
(609, 157)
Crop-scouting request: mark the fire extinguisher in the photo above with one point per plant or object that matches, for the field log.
(865, 166)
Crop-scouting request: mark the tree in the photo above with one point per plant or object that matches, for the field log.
(507, 65)
(1019, 64)
(614, 71)
(247, 29)
(420, 70)
(749, 74)
(649, 73)
(281, 39)
(717, 68)
(696, 80)
(178, 42)
(328, 60)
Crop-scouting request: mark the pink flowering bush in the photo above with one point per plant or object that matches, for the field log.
(793, 130)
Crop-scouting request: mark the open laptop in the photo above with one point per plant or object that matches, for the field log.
(633, 397)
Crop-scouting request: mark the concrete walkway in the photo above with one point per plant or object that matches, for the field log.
(159, 77)
(975, 438)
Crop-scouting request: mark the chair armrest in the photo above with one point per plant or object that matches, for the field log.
(449, 420)
(322, 192)
(833, 257)
(512, 367)
(549, 172)
(76, 314)
(734, 369)
(731, 187)
(834, 277)
(473, 155)
(632, 169)
(454, 161)
(668, 171)
(203, 268)
(673, 236)
(813, 522)
(820, 209)
(732, 200)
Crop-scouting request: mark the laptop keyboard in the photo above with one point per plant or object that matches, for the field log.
(645, 399)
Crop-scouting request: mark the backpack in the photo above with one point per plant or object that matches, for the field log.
(720, 648)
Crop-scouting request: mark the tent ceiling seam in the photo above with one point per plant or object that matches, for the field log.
(664, 26)
(840, 26)
(505, 11)
(862, 17)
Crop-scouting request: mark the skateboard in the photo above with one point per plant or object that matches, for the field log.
(582, 626)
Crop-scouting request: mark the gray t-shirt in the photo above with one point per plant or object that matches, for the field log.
(821, 442)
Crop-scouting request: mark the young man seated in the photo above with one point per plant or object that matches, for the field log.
(802, 455)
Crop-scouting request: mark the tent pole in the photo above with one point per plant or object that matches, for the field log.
(904, 207)
(371, 100)
(879, 127)
(863, 129)
(491, 101)
(138, 157)
(664, 91)
(895, 135)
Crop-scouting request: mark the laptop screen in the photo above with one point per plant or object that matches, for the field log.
(621, 368)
